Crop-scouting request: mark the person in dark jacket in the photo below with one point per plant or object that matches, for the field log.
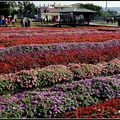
(21, 22)
(26, 23)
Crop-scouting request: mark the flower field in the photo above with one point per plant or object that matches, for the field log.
(50, 72)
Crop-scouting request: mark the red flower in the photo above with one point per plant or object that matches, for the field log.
(95, 110)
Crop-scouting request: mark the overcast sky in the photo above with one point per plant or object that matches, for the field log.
(100, 3)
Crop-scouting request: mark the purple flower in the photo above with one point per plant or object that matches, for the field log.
(100, 89)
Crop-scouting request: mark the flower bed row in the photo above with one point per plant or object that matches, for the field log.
(50, 75)
(49, 102)
(23, 31)
(58, 46)
(55, 36)
(108, 109)
(17, 62)
(57, 28)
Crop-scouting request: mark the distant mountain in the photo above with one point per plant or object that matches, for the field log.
(113, 8)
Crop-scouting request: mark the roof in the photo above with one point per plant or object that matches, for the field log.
(62, 6)
(76, 9)
(51, 10)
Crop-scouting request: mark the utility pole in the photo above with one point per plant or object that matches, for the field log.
(106, 9)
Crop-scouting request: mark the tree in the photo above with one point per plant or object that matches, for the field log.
(8, 8)
(12, 9)
(92, 7)
(4, 4)
(25, 7)
(4, 8)
(12, 4)
(111, 13)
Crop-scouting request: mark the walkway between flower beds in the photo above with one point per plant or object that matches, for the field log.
(51, 25)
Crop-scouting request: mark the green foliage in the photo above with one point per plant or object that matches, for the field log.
(64, 74)
(27, 7)
(92, 7)
(14, 112)
(4, 8)
(110, 68)
(9, 7)
(4, 4)
(45, 77)
(111, 12)
(81, 71)
(4, 85)
(25, 79)
(52, 75)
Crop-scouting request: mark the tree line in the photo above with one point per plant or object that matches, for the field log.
(15, 7)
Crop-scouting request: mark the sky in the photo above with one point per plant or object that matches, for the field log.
(100, 3)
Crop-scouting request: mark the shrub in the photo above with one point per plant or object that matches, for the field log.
(81, 71)
(54, 74)
(111, 68)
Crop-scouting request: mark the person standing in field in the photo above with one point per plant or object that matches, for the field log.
(0, 21)
(13, 22)
(108, 19)
(6, 22)
(21, 22)
(31, 23)
(112, 19)
(26, 22)
(3, 20)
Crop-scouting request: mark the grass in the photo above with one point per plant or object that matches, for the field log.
(105, 23)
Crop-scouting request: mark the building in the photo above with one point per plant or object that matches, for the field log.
(79, 14)
(50, 13)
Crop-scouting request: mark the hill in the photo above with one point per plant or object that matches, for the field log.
(113, 8)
